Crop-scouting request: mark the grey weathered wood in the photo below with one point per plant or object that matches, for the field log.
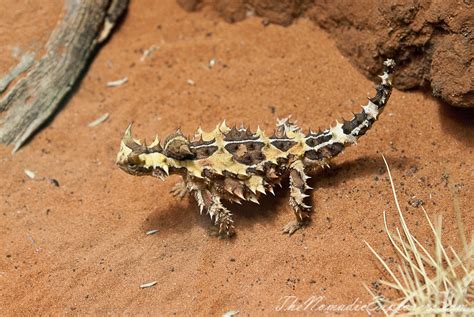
(34, 98)
(25, 63)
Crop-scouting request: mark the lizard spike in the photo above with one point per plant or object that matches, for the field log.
(239, 193)
(270, 189)
(385, 78)
(129, 141)
(223, 127)
(155, 142)
(128, 133)
(252, 189)
(228, 189)
(369, 109)
(165, 168)
(261, 189)
(254, 199)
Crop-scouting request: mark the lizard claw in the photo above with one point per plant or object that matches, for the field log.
(179, 190)
(293, 226)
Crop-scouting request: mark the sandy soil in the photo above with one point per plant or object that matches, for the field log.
(81, 248)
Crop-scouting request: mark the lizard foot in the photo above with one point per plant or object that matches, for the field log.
(293, 226)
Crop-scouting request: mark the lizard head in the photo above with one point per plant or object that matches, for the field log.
(140, 159)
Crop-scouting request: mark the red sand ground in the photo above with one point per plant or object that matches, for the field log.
(81, 248)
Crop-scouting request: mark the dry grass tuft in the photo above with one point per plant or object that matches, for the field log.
(438, 282)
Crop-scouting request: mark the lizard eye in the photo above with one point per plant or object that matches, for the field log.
(133, 161)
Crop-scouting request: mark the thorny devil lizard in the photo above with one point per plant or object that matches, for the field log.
(236, 164)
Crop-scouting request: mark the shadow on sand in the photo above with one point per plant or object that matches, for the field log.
(179, 218)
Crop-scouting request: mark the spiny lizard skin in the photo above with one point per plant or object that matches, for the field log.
(235, 164)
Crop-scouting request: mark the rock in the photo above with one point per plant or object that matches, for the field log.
(280, 11)
(231, 10)
(431, 41)
(190, 5)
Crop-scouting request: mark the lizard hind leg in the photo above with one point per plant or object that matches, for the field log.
(298, 186)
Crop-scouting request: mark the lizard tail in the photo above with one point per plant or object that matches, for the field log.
(323, 145)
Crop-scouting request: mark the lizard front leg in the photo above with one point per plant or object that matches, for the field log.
(298, 186)
(180, 189)
(220, 215)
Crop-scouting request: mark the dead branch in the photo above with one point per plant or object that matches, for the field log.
(34, 98)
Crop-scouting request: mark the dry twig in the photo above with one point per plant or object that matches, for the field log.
(35, 98)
